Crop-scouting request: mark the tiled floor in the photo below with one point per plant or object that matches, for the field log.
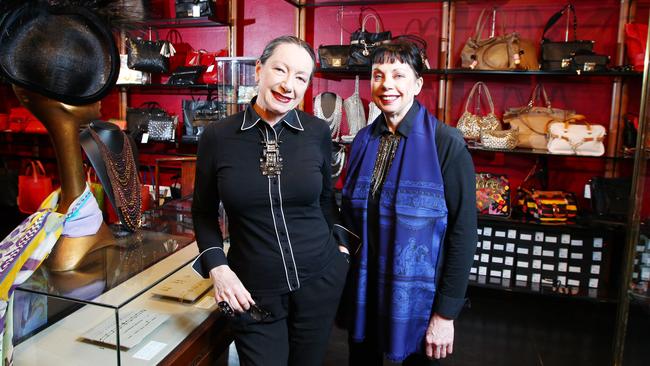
(509, 329)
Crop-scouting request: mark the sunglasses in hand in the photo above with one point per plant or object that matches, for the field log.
(256, 312)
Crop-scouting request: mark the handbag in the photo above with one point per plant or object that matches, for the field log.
(33, 187)
(492, 195)
(588, 61)
(569, 138)
(532, 121)
(635, 41)
(215, 71)
(497, 52)
(149, 55)
(186, 75)
(137, 119)
(610, 196)
(199, 113)
(333, 56)
(194, 8)
(162, 128)
(470, 124)
(175, 38)
(556, 56)
(500, 139)
(362, 43)
(546, 205)
(127, 75)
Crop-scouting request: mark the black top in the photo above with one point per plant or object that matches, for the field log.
(280, 226)
(460, 194)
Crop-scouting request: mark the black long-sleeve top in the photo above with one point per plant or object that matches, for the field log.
(280, 226)
(460, 196)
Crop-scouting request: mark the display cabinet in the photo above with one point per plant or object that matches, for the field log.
(142, 282)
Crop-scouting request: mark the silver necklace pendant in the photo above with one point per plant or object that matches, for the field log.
(271, 161)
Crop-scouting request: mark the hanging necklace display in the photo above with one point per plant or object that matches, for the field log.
(334, 120)
(373, 112)
(124, 178)
(354, 113)
(338, 159)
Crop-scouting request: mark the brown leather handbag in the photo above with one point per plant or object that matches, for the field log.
(497, 52)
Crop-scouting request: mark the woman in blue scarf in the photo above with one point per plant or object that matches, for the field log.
(409, 211)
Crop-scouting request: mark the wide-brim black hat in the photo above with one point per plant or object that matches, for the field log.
(67, 54)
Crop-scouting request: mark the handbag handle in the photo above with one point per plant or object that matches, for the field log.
(482, 21)
(475, 88)
(174, 36)
(378, 27)
(36, 168)
(538, 93)
(555, 17)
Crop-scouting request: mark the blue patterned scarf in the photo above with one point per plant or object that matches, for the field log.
(412, 223)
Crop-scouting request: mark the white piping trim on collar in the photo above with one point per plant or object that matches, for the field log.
(243, 122)
(299, 128)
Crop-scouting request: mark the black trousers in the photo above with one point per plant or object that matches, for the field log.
(298, 330)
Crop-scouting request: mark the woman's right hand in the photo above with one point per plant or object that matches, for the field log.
(228, 288)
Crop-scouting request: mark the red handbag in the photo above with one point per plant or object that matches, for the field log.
(182, 49)
(635, 39)
(33, 187)
(213, 73)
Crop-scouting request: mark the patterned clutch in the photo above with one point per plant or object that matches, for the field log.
(492, 194)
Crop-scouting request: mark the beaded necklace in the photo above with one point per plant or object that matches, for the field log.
(334, 120)
(124, 180)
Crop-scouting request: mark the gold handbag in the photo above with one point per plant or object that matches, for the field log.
(500, 139)
(471, 125)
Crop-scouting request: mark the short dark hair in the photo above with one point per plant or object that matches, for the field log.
(274, 43)
(402, 51)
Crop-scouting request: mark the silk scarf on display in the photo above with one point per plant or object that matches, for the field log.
(25, 248)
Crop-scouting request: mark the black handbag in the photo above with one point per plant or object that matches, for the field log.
(334, 56)
(199, 113)
(610, 196)
(186, 75)
(362, 43)
(148, 55)
(194, 8)
(589, 61)
(137, 119)
(556, 56)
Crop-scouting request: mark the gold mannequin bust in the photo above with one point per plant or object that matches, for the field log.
(63, 123)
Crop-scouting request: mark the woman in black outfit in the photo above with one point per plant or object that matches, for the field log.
(270, 166)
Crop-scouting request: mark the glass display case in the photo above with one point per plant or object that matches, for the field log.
(143, 282)
(237, 84)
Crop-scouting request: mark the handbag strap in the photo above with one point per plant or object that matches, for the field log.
(174, 36)
(477, 88)
(555, 17)
(482, 21)
(539, 92)
(378, 27)
(36, 168)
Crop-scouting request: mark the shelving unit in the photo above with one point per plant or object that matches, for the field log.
(442, 81)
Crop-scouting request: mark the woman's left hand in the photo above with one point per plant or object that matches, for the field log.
(439, 339)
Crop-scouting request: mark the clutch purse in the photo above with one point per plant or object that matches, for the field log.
(548, 206)
(500, 139)
(492, 195)
(162, 128)
(333, 57)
